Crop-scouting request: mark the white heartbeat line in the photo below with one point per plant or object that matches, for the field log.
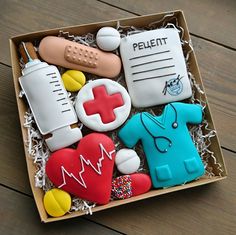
(87, 162)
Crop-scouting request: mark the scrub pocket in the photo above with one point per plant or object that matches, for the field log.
(163, 173)
(191, 165)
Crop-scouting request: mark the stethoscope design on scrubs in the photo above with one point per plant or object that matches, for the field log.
(174, 126)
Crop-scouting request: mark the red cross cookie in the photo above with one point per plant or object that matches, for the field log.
(103, 105)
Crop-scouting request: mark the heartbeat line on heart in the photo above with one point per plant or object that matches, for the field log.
(83, 161)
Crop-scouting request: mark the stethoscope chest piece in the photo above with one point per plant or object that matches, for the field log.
(174, 125)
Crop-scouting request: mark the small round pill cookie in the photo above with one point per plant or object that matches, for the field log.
(108, 39)
(127, 161)
(57, 202)
(73, 80)
(103, 105)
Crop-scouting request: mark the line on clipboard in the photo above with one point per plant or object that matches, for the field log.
(142, 79)
(150, 62)
(145, 71)
(160, 52)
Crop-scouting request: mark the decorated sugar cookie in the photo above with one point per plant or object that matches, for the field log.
(87, 171)
(57, 202)
(103, 105)
(73, 55)
(127, 161)
(154, 66)
(127, 186)
(73, 80)
(171, 155)
(108, 38)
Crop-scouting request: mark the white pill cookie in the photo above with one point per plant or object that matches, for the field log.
(108, 39)
(127, 161)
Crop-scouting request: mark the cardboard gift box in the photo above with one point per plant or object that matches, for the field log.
(141, 21)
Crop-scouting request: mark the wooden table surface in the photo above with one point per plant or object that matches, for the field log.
(209, 209)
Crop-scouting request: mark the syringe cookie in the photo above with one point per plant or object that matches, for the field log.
(48, 100)
(73, 55)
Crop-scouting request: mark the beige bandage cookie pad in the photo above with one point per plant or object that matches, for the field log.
(73, 55)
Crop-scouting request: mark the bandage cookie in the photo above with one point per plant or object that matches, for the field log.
(73, 55)
(103, 105)
(154, 66)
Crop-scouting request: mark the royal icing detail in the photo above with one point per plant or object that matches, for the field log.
(101, 97)
(170, 152)
(85, 172)
(83, 161)
(103, 105)
(173, 86)
(154, 66)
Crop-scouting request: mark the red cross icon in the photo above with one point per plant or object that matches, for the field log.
(103, 104)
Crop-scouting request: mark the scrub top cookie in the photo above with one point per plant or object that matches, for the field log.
(170, 152)
(154, 66)
(103, 105)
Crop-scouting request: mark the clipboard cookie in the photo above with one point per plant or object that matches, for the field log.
(154, 66)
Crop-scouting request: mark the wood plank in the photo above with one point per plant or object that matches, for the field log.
(19, 216)
(209, 209)
(212, 19)
(18, 17)
(13, 166)
(217, 66)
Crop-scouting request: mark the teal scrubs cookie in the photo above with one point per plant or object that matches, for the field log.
(171, 155)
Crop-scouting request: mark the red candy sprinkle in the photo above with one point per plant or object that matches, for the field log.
(121, 187)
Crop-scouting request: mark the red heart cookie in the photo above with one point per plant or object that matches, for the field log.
(87, 171)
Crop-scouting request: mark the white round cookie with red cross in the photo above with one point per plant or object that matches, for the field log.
(103, 105)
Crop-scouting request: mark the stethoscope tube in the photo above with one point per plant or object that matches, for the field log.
(174, 126)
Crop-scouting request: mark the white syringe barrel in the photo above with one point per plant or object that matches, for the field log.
(52, 109)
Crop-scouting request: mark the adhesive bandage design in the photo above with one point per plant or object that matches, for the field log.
(73, 55)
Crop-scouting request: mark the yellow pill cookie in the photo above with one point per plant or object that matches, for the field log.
(57, 202)
(73, 80)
